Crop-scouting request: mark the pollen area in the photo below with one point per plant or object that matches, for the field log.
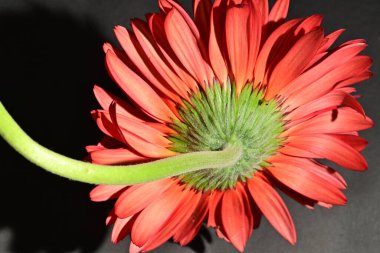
(217, 117)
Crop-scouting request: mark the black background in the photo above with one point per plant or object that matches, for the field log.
(50, 57)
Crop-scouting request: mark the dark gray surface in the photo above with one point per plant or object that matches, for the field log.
(50, 56)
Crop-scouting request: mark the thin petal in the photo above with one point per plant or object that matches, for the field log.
(272, 206)
(279, 10)
(144, 131)
(116, 156)
(169, 5)
(357, 142)
(333, 60)
(271, 47)
(328, 82)
(110, 127)
(217, 41)
(307, 183)
(138, 90)
(157, 28)
(298, 57)
(191, 227)
(331, 38)
(309, 24)
(341, 120)
(185, 46)
(146, 65)
(237, 42)
(202, 11)
(328, 174)
(156, 215)
(105, 192)
(133, 248)
(235, 222)
(176, 220)
(332, 148)
(330, 101)
(105, 100)
(121, 229)
(214, 201)
(254, 35)
(137, 197)
(365, 75)
(155, 57)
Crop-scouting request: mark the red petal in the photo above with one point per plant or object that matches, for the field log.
(154, 217)
(309, 24)
(279, 11)
(157, 28)
(133, 248)
(254, 35)
(296, 196)
(142, 146)
(145, 64)
(297, 152)
(105, 192)
(307, 183)
(263, 8)
(202, 11)
(116, 156)
(366, 74)
(272, 206)
(185, 45)
(216, 45)
(337, 58)
(328, 174)
(331, 38)
(327, 82)
(298, 57)
(341, 120)
(176, 221)
(138, 90)
(111, 218)
(144, 131)
(357, 142)
(172, 4)
(191, 227)
(215, 198)
(137, 197)
(105, 100)
(121, 229)
(154, 55)
(243, 191)
(271, 48)
(237, 40)
(329, 101)
(332, 148)
(234, 219)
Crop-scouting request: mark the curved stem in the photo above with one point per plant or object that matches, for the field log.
(106, 174)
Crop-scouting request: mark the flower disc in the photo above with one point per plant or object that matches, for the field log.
(217, 118)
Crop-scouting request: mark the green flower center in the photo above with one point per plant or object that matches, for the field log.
(217, 118)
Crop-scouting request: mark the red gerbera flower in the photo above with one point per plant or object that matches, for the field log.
(237, 74)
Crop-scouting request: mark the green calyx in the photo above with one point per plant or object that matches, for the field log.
(217, 118)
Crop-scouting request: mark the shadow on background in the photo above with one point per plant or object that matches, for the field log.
(49, 63)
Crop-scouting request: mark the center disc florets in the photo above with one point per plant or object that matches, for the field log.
(218, 117)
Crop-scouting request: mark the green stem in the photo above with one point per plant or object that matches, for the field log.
(106, 174)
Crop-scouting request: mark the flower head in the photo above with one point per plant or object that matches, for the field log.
(235, 74)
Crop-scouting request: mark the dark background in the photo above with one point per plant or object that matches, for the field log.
(50, 57)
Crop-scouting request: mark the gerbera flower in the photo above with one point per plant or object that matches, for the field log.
(236, 75)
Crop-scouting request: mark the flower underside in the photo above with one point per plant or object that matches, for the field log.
(218, 117)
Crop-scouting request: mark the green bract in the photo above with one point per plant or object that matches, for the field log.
(217, 118)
